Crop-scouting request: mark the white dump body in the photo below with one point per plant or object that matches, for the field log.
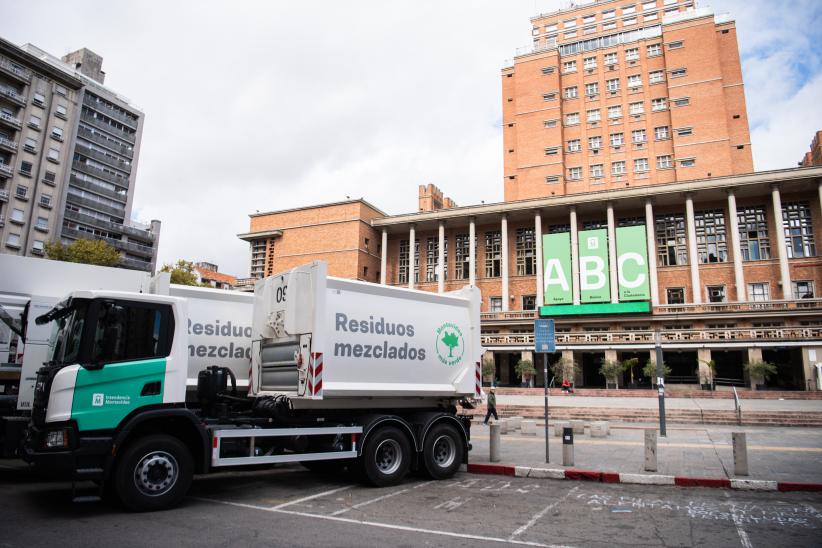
(330, 342)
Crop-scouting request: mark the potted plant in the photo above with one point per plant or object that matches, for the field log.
(611, 369)
(650, 371)
(760, 370)
(628, 365)
(489, 369)
(708, 380)
(565, 369)
(525, 370)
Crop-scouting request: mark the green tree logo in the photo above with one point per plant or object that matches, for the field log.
(450, 344)
(450, 340)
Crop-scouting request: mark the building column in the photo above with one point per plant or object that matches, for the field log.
(703, 355)
(384, 257)
(755, 355)
(693, 256)
(538, 243)
(651, 235)
(504, 228)
(411, 256)
(528, 355)
(736, 248)
(781, 245)
(441, 266)
(472, 251)
(574, 255)
(612, 255)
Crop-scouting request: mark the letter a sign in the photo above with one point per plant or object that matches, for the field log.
(556, 250)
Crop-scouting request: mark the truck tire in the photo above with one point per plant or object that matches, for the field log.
(153, 473)
(442, 451)
(386, 457)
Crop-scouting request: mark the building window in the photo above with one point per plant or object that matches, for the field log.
(678, 73)
(609, 58)
(61, 111)
(529, 302)
(13, 240)
(753, 233)
(675, 295)
(716, 293)
(50, 178)
(659, 104)
(590, 63)
(404, 261)
(550, 123)
(575, 173)
(654, 50)
(493, 254)
(758, 292)
(638, 136)
(681, 102)
(617, 139)
(684, 131)
(628, 10)
(589, 19)
(22, 192)
(45, 200)
(636, 108)
(631, 221)
(550, 179)
(593, 115)
(57, 133)
(634, 81)
(796, 217)
(34, 122)
(38, 247)
(552, 151)
(661, 133)
(17, 216)
(595, 143)
(526, 252)
(42, 223)
(609, 25)
(802, 289)
(612, 85)
(571, 92)
(615, 112)
(570, 34)
(462, 256)
(597, 171)
(60, 90)
(551, 28)
(495, 304)
(30, 145)
(676, 45)
(594, 225)
(618, 168)
(609, 14)
(687, 162)
(592, 89)
(574, 145)
(641, 165)
(549, 96)
(365, 272)
(547, 70)
(432, 250)
(39, 99)
(569, 66)
(665, 162)
(710, 236)
(572, 119)
(53, 155)
(632, 54)
(558, 229)
(656, 77)
(569, 24)
(671, 245)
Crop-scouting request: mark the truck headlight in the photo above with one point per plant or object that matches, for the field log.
(56, 438)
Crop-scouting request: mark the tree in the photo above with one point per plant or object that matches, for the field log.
(451, 341)
(182, 273)
(525, 370)
(711, 364)
(97, 252)
(650, 370)
(761, 369)
(565, 369)
(629, 365)
(489, 369)
(611, 369)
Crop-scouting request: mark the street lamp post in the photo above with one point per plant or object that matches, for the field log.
(660, 380)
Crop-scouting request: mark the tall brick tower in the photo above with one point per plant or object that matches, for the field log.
(618, 93)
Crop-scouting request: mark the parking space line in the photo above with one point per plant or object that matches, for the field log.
(278, 510)
(541, 513)
(367, 502)
(743, 536)
(311, 497)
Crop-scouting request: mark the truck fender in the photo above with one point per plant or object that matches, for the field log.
(446, 418)
(201, 459)
(371, 422)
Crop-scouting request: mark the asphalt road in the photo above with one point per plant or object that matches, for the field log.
(292, 507)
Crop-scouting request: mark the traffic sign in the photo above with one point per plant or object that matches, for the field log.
(544, 336)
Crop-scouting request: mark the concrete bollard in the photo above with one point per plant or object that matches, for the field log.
(568, 446)
(560, 426)
(503, 426)
(514, 423)
(529, 428)
(650, 449)
(599, 429)
(494, 442)
(740, 454)
(578, 426)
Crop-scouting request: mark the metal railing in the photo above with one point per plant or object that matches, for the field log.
(4, 195)
(13, 95)
(100, 140)
(106, 110)
(737, 407)
(8, 143)
(131, 231)
(11, 120)
(6, 170)
(20, 72)
(99, 156)
(99, 173)
(86, 185)
(120, 134)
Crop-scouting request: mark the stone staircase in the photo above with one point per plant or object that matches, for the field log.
(670, 392)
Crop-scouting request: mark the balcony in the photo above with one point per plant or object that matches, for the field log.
(100, 157)
(11, 95)
(85, 185)
(4, 195)
(136, 249)
(109, 112)
(19, 73)
(117, 228)
(686, 337)
(8, 144)
(97, 206)
(10, 120)
(99, 173)
(6, 170)
(102, 141)
(135, 264)
(91, 120)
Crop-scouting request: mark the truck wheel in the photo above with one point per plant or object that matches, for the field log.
(386, 457)
(442, 451)
(153, 473)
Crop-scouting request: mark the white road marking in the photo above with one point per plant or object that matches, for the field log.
(277, 510)
(311, 497)
(452, 504)
(540, 514)
(743, 536)
(367, 502)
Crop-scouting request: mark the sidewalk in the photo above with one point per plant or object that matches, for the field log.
(572, 400)
(774, 454)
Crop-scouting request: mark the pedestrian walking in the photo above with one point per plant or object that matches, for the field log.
(492, 407)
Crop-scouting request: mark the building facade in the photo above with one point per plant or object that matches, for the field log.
(74, 146)
(814, 156)
(614, 95)
(209, 273)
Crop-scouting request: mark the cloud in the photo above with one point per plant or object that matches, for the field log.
(269, 105)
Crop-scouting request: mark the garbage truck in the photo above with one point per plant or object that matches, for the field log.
(219, 327)
(344, 374)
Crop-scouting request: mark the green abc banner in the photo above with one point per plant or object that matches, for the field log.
(556, 271)
(594, 279)
(632, 263)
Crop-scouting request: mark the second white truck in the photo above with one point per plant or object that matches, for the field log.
(343, 374)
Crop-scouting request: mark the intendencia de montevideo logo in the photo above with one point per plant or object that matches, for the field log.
(450, 344)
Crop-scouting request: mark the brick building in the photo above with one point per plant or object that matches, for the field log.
(814, 156)
(614, 94)
(209, 273)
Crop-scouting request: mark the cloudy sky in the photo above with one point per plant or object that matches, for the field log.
(269, 105)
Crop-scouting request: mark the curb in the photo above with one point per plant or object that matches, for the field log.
(639, 479)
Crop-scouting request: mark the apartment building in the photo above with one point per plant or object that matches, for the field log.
(77, 156)
(620, 93)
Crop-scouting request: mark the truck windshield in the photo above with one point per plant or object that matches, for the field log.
(67, 331)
